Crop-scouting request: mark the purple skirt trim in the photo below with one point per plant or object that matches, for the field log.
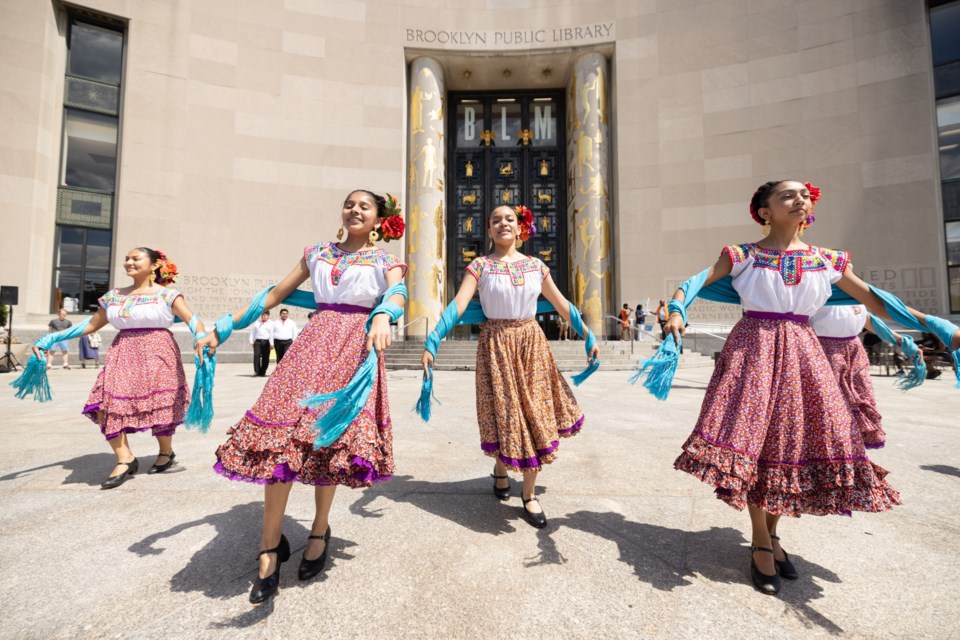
(847, 339)
(574, 429)
(791, 463)
(766, 315)
(283, 473)
(342, 308)
(152, 393)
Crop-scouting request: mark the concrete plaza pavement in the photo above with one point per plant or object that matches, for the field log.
(633, 549)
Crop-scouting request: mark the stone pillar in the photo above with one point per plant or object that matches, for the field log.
(426, 219)
(588, 203)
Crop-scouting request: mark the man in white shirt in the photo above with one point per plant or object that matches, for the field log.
(261, 337)
(284, 331)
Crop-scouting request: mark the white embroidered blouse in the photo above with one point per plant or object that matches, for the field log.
(139, 310)
(509, 290)
(358, 278)
(840, 321)
(797, 281)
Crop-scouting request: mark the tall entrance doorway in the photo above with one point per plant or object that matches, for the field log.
(506, 148)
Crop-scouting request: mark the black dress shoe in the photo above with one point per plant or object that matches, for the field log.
(769, 585)
(310, 568)
(502, 494)
(539, 520)
(160, 468)
(112, 483)
(263, 588)
(785, 567)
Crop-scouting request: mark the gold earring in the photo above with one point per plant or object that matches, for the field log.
(518, 242)
(340, 234)
(765, 229)
(803, 226)
(374, 236)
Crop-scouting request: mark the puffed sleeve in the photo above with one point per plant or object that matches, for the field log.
(740, 256)
(475, 268)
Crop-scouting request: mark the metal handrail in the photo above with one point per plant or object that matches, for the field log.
(417, 319)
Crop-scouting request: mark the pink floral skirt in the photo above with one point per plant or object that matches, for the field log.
(273, 442)
(851, 367)
(524, 404)
(141, 386)
(775, 432)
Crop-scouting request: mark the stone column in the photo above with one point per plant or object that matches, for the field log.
(426, 219)
(588, 203)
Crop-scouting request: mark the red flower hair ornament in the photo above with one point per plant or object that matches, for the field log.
(393, 226)
(167, 270)
(815, 195)
(525, 222)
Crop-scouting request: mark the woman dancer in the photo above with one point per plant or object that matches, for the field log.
(273, 444)
(524, 405)
(774, 433)
(142, 384)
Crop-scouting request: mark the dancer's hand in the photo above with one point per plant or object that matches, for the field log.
(594, 354)
(379, 336)
(427, 362)
(955, 341)
(210, 341)
(675, 326)
(37, 351)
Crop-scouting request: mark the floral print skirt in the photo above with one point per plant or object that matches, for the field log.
(142, 385)
(524, 404)
(273, 442)
(851, 368)
(775, 432)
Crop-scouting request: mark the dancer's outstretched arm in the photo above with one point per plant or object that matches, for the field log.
(721, 269)
(467, 289)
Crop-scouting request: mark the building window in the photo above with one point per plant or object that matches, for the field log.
(88, 171)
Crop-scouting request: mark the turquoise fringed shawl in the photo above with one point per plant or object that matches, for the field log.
(660, 369)
(919, 371)
(473, 314)
(33, 381)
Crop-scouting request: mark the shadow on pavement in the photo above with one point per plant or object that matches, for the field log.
(226, 566)
(666, 558)
(90, 469)
(468, 503)
(937, 468)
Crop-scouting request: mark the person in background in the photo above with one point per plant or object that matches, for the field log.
(90, 350)
(641, 320)
(625, 314)
(284, 331)
(60, 323)
(261, 337)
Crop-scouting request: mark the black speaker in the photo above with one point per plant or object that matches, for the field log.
(9, 295)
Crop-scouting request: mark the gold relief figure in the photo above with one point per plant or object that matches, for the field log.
(546, 254)
(416, 310)
(413, 230)
(544, 168)
(468, 225)
(584, 152)
(603, 226)
(581, 283)
(586, 238)
(600, 86)
(506, 168)
(433, 281)
(411, 174)
(438, 225)
(544, 198)
(606, 283)
(429, 153)
(468, 255)
(437, 114)
(469, 198)
(595, 188)
(506, 196)
(488, 136)
(439, 138)
(417, 98)
(585, 97)
(545, 224)
(526, 135)
(593, 308)
(468, 169)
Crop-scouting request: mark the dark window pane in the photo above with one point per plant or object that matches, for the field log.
(948, 133)
(954, 275)
(94, 286)
(951, 200)
(506, 122)
(70, 247)
(90, 150)
(953, 244)
(946, 79)
(98, 249)
(95, 53)
(67, 291)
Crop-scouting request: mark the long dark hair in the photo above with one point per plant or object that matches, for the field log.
(761, 198)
